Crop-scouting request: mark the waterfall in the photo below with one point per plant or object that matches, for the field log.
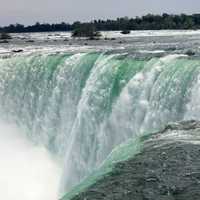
(81, 106)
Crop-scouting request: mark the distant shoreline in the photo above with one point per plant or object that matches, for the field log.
(147, 22)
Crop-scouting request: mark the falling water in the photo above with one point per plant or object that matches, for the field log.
(81, 106)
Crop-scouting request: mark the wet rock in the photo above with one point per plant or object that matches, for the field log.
(4, 41)
(190, 53)
(125, 32)
(17, 51)
(111, 39)
(167, 168)
(30, 41)
(5, 36)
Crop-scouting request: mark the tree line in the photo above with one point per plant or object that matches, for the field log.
(147, 22)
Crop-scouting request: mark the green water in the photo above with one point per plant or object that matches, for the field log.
(81, 106)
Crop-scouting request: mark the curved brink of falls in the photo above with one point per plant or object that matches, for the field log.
(83, 105)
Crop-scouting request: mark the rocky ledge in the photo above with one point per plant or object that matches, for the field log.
(167, 168)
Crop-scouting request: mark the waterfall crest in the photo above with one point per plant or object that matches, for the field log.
(81, 106)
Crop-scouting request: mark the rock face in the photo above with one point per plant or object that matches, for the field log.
(167, 168)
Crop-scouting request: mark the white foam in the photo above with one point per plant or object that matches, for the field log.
(27, 172)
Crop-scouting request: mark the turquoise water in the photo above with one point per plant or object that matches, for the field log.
(119, 154)
(81, 106)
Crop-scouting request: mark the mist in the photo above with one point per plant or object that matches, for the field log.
(27, 172)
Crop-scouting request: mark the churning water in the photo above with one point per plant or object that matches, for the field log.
(70, 110)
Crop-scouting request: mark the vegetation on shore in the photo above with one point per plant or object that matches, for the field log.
(86, 30)
(125, 32)
(147, 22)
(5, 36)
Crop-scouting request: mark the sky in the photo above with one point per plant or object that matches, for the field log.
(30, 11)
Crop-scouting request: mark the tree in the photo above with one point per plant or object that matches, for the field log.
(150, 21)
(87, 30)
